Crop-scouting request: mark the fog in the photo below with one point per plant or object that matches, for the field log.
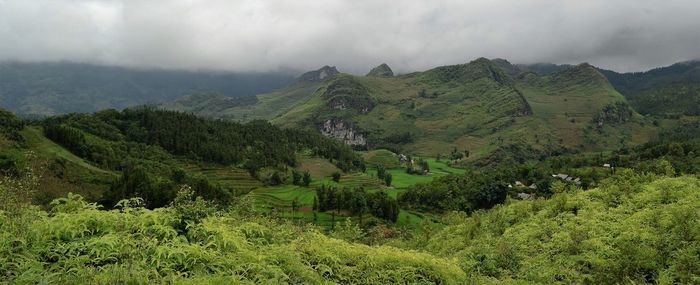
(243, 35)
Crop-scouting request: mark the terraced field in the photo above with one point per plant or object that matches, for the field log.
(279, 199)
(229, 177)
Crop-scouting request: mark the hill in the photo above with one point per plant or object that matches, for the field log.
(671, 90)
(58, 88)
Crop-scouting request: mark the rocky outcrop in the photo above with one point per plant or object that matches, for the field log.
(319, 75)
(342, 131)
(383, 70)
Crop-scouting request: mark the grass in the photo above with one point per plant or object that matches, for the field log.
(317, 167)
(36, 141)
(381, 157)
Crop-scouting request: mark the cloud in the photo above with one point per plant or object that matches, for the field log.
(246, 35)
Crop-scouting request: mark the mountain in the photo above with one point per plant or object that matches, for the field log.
(671, 90)
(475, 106)
(56, 88)
(482, 106)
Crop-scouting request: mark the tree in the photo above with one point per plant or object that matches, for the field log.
(336, 177)
(387, 179)
(381, 171)
(296, 177)
(307, 178)
(275, 179)
(456, 155)
(295, 207)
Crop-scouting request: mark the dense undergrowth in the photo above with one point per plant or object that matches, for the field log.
(634, 228)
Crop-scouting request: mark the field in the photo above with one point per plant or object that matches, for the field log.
(280, 198)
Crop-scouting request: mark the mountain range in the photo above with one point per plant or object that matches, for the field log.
(484, 106)
(58, 88)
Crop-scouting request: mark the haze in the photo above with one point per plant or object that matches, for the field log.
(353, 35)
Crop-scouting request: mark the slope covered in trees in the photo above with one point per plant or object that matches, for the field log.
(671, 90)
(255, 145)
(145, 153)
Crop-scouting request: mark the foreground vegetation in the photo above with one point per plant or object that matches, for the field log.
(634, 228)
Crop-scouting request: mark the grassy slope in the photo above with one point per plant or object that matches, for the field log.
(564, 111)
(60, 170)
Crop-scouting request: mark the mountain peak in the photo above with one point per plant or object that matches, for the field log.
(383, 70)
(319, 75)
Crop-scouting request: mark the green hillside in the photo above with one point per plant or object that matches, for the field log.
(485, 106)
(671, 90)
(475, 106)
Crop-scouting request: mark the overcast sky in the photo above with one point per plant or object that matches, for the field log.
(355, 35)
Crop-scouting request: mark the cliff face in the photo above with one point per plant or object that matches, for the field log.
(342, 131)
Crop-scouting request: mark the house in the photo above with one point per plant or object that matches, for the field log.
(607, 165)
(402, 157)
(533, 187)
(519, 184)
(524, 196)
(562, 176)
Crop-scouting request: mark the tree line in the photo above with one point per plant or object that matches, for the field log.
(357, 201)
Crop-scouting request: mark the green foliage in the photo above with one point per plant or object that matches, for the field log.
(670, 90)
(296, 178)
(10, 125)
(256, 144)
(357, 201)
(336, 176)
(77, 243)
(387, 179)
(381, 172)
(649, 235)
(468, 192)
(307, 178)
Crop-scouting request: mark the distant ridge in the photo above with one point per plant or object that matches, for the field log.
(57, 88)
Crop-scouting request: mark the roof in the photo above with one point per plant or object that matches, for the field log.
(523, 195)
